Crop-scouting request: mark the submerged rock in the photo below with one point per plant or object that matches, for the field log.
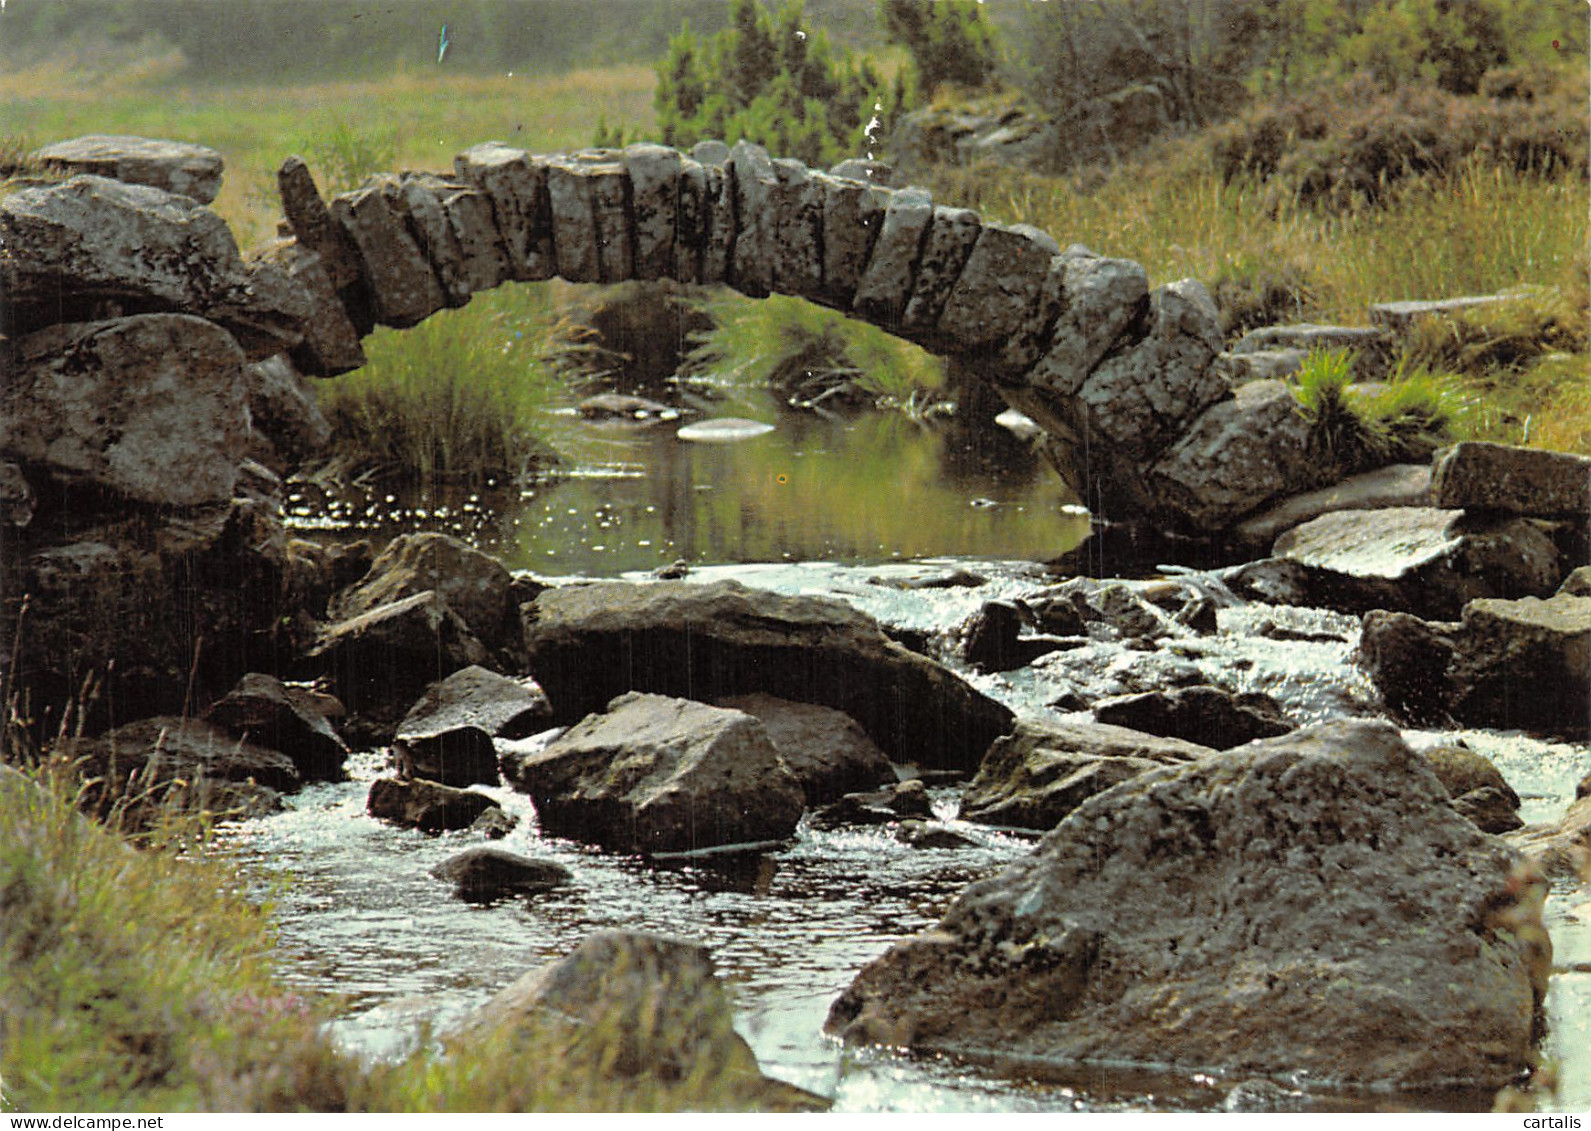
(1310, 903)
(482, 875)
(636, 1005)
(655, 774)
(905, 800)
(1209, 716)
(724, 430)
(590, 643)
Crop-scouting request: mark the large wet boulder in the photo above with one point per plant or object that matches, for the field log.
(590, 643)
(1306, 904)
(1209, 716)
(636, 1006)
(263, 710)
(1423, 560)
(1035, 776)
(655, 774)
(827, 750)
(152, 406)
(175, 166)
(474, 585)
(483, 875)
(447, 734)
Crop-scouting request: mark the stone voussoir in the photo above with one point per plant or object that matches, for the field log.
(516, 184)
(403, 288)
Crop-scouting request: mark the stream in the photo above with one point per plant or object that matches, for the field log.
(830, 506)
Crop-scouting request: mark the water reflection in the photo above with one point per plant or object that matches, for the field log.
(862, 488)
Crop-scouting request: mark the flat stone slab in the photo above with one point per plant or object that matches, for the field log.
(1397, 485)
(176, 166)
(1398, 541)
(1400, 316)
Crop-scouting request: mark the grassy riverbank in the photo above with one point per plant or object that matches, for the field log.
(142, 979)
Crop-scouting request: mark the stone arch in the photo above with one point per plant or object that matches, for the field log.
(1120, 377)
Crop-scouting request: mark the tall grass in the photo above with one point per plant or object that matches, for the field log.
(460, 397)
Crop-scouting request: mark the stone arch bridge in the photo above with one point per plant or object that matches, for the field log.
(1121, 377)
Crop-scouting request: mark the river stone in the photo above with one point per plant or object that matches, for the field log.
(380, 661)
(589, 643)
(1237, 456)
(484, 875)
(1209, 716)
(655, 774)
(263, 710)
(1396, 485)
(447, 735)
(152, 406)
(1143, 398)
(1481, 476)
(1305, 904)
(402, 287)
(886, 285)
(635, 1005)
(907, 800)
(1490, 810)
(426, 805)
(827, 750)
(474, 585)
(1425, 560)
(992, 639)
(1034, 777)
(724, 430)
(1525, 664)
(516, 184)
(1407, 659)
(175, 166)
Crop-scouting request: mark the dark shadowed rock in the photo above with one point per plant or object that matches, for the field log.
(637, 1006)
(589, 643)
(482, 875)
(1206, 715)
(907, 799)
(992, 639)
(426, 805)
(447, 735)
(175, 166)
(654, 774)
(382, 660)
(1490, 810)
(1033, 778)
(265, 711)
(1407, 659)
(922, 835)
(283, 413)
(474, 585)
(827, 750)
(1310, 903)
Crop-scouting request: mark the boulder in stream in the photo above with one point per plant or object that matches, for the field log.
(263, 709)
(1305, 904)
(447, 735)
(639, 1007)
(589, 643)
(827, 750)
(656, 774)
(428, 806)
(483, 875)
(1209, 716)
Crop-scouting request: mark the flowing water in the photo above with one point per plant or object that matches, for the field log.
(811, 508)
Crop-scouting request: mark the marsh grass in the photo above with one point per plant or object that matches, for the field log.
(1402, 420)
(460, 397)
